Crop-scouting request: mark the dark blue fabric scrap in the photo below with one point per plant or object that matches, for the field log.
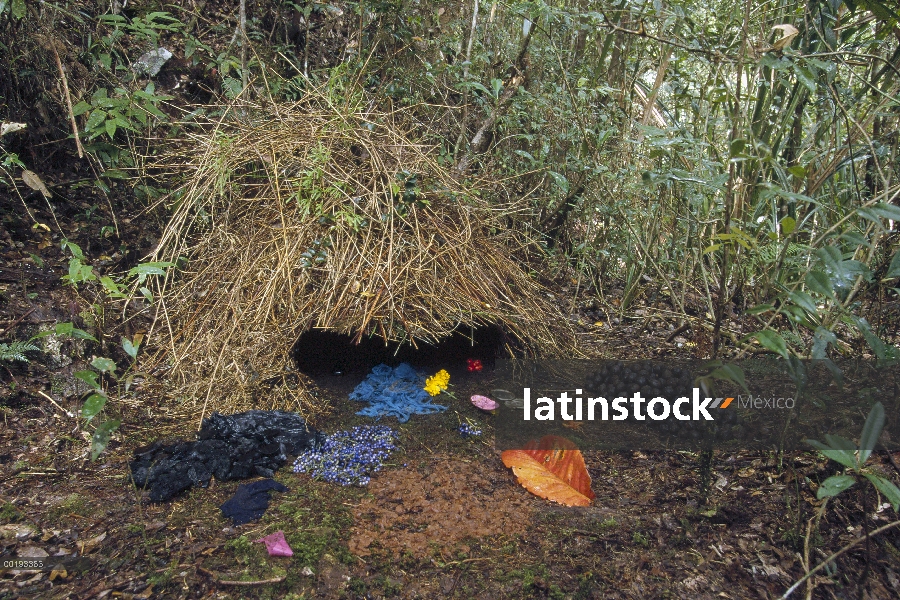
(250, 501)
(394, 392)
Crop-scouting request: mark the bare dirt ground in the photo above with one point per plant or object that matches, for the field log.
(445, 519)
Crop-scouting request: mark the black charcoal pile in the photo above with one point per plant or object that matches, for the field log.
(654, 379)
(253, 443)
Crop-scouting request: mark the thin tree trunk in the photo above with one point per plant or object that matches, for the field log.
(465, 116)
(478, 144)
(724, 297)
(651, 99)
(244, 76)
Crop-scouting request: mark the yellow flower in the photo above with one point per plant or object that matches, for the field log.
(439, 382)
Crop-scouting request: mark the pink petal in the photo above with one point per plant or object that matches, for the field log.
(276, 544)
(484, 403)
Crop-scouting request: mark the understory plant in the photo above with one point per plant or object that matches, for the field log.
(97, 378)
(853, 458)
(103, 378)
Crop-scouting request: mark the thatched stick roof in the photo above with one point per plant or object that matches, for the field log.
(315, 216)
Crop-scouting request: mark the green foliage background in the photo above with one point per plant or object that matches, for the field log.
(739, 156)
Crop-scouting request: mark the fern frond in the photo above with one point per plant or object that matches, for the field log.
(16, 351)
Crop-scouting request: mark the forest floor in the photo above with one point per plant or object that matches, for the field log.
(445, 519)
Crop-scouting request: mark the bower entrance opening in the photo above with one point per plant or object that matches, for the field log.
(320, 352)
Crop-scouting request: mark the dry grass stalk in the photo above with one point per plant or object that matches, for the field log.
(310, 216)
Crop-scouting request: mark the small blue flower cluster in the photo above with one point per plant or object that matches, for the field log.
(349, 457)
(466, 430)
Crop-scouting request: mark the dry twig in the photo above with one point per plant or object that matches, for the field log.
(68, 95)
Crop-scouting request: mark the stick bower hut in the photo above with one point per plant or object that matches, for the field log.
(311, 215)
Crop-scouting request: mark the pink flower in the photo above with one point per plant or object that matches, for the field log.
(484, 403)
(276, 544)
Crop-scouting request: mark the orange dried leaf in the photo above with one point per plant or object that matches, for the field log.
(552, 468)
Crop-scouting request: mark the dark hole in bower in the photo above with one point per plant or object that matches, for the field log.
(320, 352)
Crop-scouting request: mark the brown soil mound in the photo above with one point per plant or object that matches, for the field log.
(438, 508)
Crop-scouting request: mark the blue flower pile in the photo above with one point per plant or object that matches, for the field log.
(467, 430)
(349, 457)
(394, 393)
